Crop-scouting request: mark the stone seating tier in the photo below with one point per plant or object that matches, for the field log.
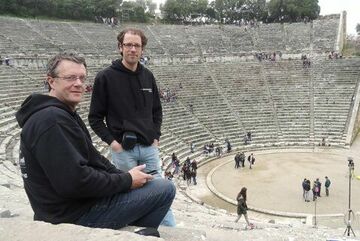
(39, 37)
(224, 105)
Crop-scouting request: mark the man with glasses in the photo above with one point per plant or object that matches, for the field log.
(125, 110)
(65, 177)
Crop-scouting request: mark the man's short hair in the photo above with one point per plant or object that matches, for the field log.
(134, 31)
(53, 63)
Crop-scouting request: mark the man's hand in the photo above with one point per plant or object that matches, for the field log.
(116, 146)
(139, 178)
(156, 143)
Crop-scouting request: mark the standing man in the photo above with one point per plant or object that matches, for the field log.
(327, 185)
(251, 160)
(237, 160)
(194, 170)
(125, 110)
(307, 189)
(318, 183)
(65, 177)
(242, 159)
(192, 147)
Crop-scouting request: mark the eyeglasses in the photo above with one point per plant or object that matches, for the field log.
(72, 78)
(130, 46)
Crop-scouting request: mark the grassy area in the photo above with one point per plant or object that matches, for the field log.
(47, 18)
(352, 47)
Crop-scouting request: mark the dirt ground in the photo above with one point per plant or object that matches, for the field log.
(275, 181)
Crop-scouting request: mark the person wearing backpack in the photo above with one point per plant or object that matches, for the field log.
(315, 190)
(318, 184)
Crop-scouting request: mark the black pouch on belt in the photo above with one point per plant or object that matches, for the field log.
(129, 140)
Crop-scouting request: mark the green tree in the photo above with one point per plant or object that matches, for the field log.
(105, 8)
(199, 7)
(292, 10)
(133, 11)
(235, 10)
(309, 8)
(150, 7)
(210, 11)
(176, 11)
(67, 9)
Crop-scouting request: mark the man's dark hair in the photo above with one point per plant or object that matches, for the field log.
(134, 31)
(53, 63)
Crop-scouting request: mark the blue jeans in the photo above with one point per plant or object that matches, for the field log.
(149, 155)
(144, 207)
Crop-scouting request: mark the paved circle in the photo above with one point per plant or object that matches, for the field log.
(274, 183)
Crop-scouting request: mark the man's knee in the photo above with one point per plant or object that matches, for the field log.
(169, 187)
(165, 186)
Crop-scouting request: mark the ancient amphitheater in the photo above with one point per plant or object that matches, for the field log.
(288, 108)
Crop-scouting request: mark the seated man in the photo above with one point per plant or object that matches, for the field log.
(65, 177)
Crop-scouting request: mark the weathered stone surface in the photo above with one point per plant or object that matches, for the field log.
(39, 231)
(5, 214)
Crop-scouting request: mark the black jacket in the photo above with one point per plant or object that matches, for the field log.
(127, 101)
(63, 173)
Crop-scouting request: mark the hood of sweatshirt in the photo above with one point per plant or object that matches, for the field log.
(118, 65)
(34, 103)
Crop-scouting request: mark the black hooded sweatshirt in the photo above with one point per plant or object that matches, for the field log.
(64, 175)
(128, 101)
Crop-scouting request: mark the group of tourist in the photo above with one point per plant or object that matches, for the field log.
(209, 148)
(316, 188)
(247, 138)
(188, 169)
(335, 55)
(305, 61)
(167, 95)
(5, 61)
(240, 160)
(113, 21)
(253, 23)
(267, 56)
(217, 150)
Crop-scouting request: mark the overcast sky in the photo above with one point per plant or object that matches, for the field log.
(352, 7)
(334, 6)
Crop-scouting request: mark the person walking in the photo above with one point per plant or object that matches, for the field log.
(242, 207)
